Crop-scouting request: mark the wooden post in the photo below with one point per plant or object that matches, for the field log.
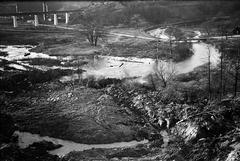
(15, 21)
(66, 17)
(55, 19)
(35, 20)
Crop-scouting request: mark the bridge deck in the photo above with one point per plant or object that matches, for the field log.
(39, 13)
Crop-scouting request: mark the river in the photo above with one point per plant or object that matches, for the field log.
(25, 139)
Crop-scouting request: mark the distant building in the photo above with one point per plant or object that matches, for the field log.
(236, 30)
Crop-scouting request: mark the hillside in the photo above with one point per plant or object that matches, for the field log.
(132, 13)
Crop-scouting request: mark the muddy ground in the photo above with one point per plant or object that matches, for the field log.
(76, 113)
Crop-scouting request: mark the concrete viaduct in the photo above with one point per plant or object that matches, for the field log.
(36, 14)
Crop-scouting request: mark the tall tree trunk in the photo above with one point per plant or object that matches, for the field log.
(92, 40)
(236, 81)
(221, 75)
(236, 74)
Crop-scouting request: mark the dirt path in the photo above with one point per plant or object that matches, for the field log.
(111, 33)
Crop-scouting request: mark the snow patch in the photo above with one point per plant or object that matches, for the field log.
(161, 33)
(18, 52)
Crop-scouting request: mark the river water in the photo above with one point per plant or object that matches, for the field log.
(25, 139)
(129, 67)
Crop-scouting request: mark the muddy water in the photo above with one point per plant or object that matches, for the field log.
(25, 139)
(200, 57)
(119, 67)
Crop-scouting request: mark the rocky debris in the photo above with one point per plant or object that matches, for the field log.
(201, 127)
(187, 130)
(234, 155)
(104, 97)
(57, 96)
(129, 152)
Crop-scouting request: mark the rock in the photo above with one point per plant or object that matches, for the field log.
(69, 95)
(224, 144)
(234, 155)
(104, 97)
(187, 130)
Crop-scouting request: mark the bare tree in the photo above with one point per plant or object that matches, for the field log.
(209, 72)
(237, 66)
(208, 31)
(164, 71)
(221, 73)
(223, 31)
(93, 28)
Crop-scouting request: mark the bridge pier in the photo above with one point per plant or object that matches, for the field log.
(67, 17)
(36, 20)
(44, 7)
(55, 19)
(15, 21)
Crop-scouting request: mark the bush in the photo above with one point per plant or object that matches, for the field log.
(182, 51)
